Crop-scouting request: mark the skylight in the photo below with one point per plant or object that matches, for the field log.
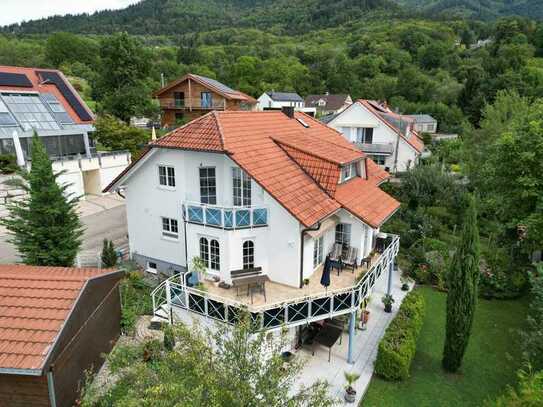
(30, 112)
(303, 123)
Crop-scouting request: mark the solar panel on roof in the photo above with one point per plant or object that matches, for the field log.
(216, 84)
(66, 91)
(15, 79)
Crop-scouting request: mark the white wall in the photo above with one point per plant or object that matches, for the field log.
(266, 102)
(358, 116)
(276, 246)
(72, 175)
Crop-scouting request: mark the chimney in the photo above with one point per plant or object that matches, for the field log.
(288, 110)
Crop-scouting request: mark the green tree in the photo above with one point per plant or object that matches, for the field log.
(45, 226)
(532, 336)
(109, 255)
(122, 87)
(116, 135)
(65, 47)
(234, 366)
(463, 278)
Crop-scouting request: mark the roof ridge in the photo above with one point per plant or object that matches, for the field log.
(219, 127)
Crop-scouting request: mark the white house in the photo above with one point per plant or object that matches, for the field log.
(261, 198)
(278, 100)
(387, 137)
(42, 101)
(423, 123)
(328, 104)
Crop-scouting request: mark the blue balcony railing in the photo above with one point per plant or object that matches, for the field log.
(226, 217)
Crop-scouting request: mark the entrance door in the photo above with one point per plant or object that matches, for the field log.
(205, 100)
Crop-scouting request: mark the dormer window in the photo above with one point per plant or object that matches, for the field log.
(349, 171)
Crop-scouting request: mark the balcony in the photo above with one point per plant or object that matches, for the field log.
(285, 306)
(229, 218)
(376, 148)
(192, 103)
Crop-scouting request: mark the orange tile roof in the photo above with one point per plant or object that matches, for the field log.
(367, 201)
(413, 140)
(34, 305)
(298, 166)
(375, 173)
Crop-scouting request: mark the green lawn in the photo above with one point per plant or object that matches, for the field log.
(489, 364)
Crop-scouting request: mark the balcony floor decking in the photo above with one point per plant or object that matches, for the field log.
(278, 293)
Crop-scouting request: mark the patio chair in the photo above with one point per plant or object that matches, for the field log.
(335, 254)
(349, 258)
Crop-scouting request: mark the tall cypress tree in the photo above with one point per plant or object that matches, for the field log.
(463, 280)
(45, 226)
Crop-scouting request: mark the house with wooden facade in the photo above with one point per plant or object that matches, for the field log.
(193, 95)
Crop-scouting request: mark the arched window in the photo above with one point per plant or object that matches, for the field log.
(215, 258)
(248, 254)
(204, 251)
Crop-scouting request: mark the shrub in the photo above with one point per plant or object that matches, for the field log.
(398, 346)
(8, 164)
(528, 394)
(135, 299)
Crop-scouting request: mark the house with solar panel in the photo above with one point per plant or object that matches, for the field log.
(389, 138)
(271, 212)
(192, 96)
(43, 101)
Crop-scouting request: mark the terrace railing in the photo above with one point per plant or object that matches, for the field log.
(226, 217)
(295, 311)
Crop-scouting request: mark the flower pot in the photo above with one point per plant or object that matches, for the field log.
(405, 287)
(350, 395)
(388, 308)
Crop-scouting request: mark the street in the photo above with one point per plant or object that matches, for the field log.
(103, 217)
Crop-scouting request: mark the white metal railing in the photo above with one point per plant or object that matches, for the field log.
(226, 217)
(292, 312)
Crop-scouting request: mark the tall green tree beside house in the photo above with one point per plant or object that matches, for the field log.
(463, 279)
(108, 256)
(45, 226)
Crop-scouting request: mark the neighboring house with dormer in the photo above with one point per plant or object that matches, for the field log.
(278, 100)
(387, 137)
(43, 101)
(261, 198)
(328, 104)
(194, 95)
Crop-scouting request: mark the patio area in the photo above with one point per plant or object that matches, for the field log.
(277, 293)
(366, 344)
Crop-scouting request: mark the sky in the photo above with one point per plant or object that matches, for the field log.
(15, 11)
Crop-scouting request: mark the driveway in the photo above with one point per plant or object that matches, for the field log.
(102, 216)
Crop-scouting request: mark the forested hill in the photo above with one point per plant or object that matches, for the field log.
(477, 9)
(168, 17)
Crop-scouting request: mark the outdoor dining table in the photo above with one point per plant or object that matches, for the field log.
(327, 336)
(254, 280)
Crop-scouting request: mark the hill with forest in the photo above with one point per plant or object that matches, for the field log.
(476, 9)
(174, 17)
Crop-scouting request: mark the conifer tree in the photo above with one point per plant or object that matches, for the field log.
(462, 296)
(45, 226)
(109, 256)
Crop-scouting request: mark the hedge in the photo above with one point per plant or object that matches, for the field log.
(398, 346)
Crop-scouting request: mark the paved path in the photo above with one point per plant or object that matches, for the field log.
(365, 348)
(103, 217)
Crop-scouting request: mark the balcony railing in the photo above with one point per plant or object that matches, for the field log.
(192, 103)
(297, 311)
(383, 148)
(226, 217)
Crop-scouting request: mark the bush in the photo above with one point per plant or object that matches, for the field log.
(529, 393)
(136, 301)
(8, 164)
(398, 346)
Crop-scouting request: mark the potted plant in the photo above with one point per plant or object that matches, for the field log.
(405, 283)
(350, 393)
(388, 301)
(306, 282)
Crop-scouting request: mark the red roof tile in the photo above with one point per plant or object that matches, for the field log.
(34, 304)
(375, 173)
(298, 166)
(366, 201)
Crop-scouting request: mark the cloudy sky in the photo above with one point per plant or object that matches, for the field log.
(15, 11)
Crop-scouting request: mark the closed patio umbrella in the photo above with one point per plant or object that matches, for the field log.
(325, 279)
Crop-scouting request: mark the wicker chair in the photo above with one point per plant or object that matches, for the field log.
(349, 258)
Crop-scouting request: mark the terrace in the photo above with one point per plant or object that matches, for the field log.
(283, 304)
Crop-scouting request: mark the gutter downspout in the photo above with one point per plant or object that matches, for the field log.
(304, 231)
(51, 388)
(186, 247)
